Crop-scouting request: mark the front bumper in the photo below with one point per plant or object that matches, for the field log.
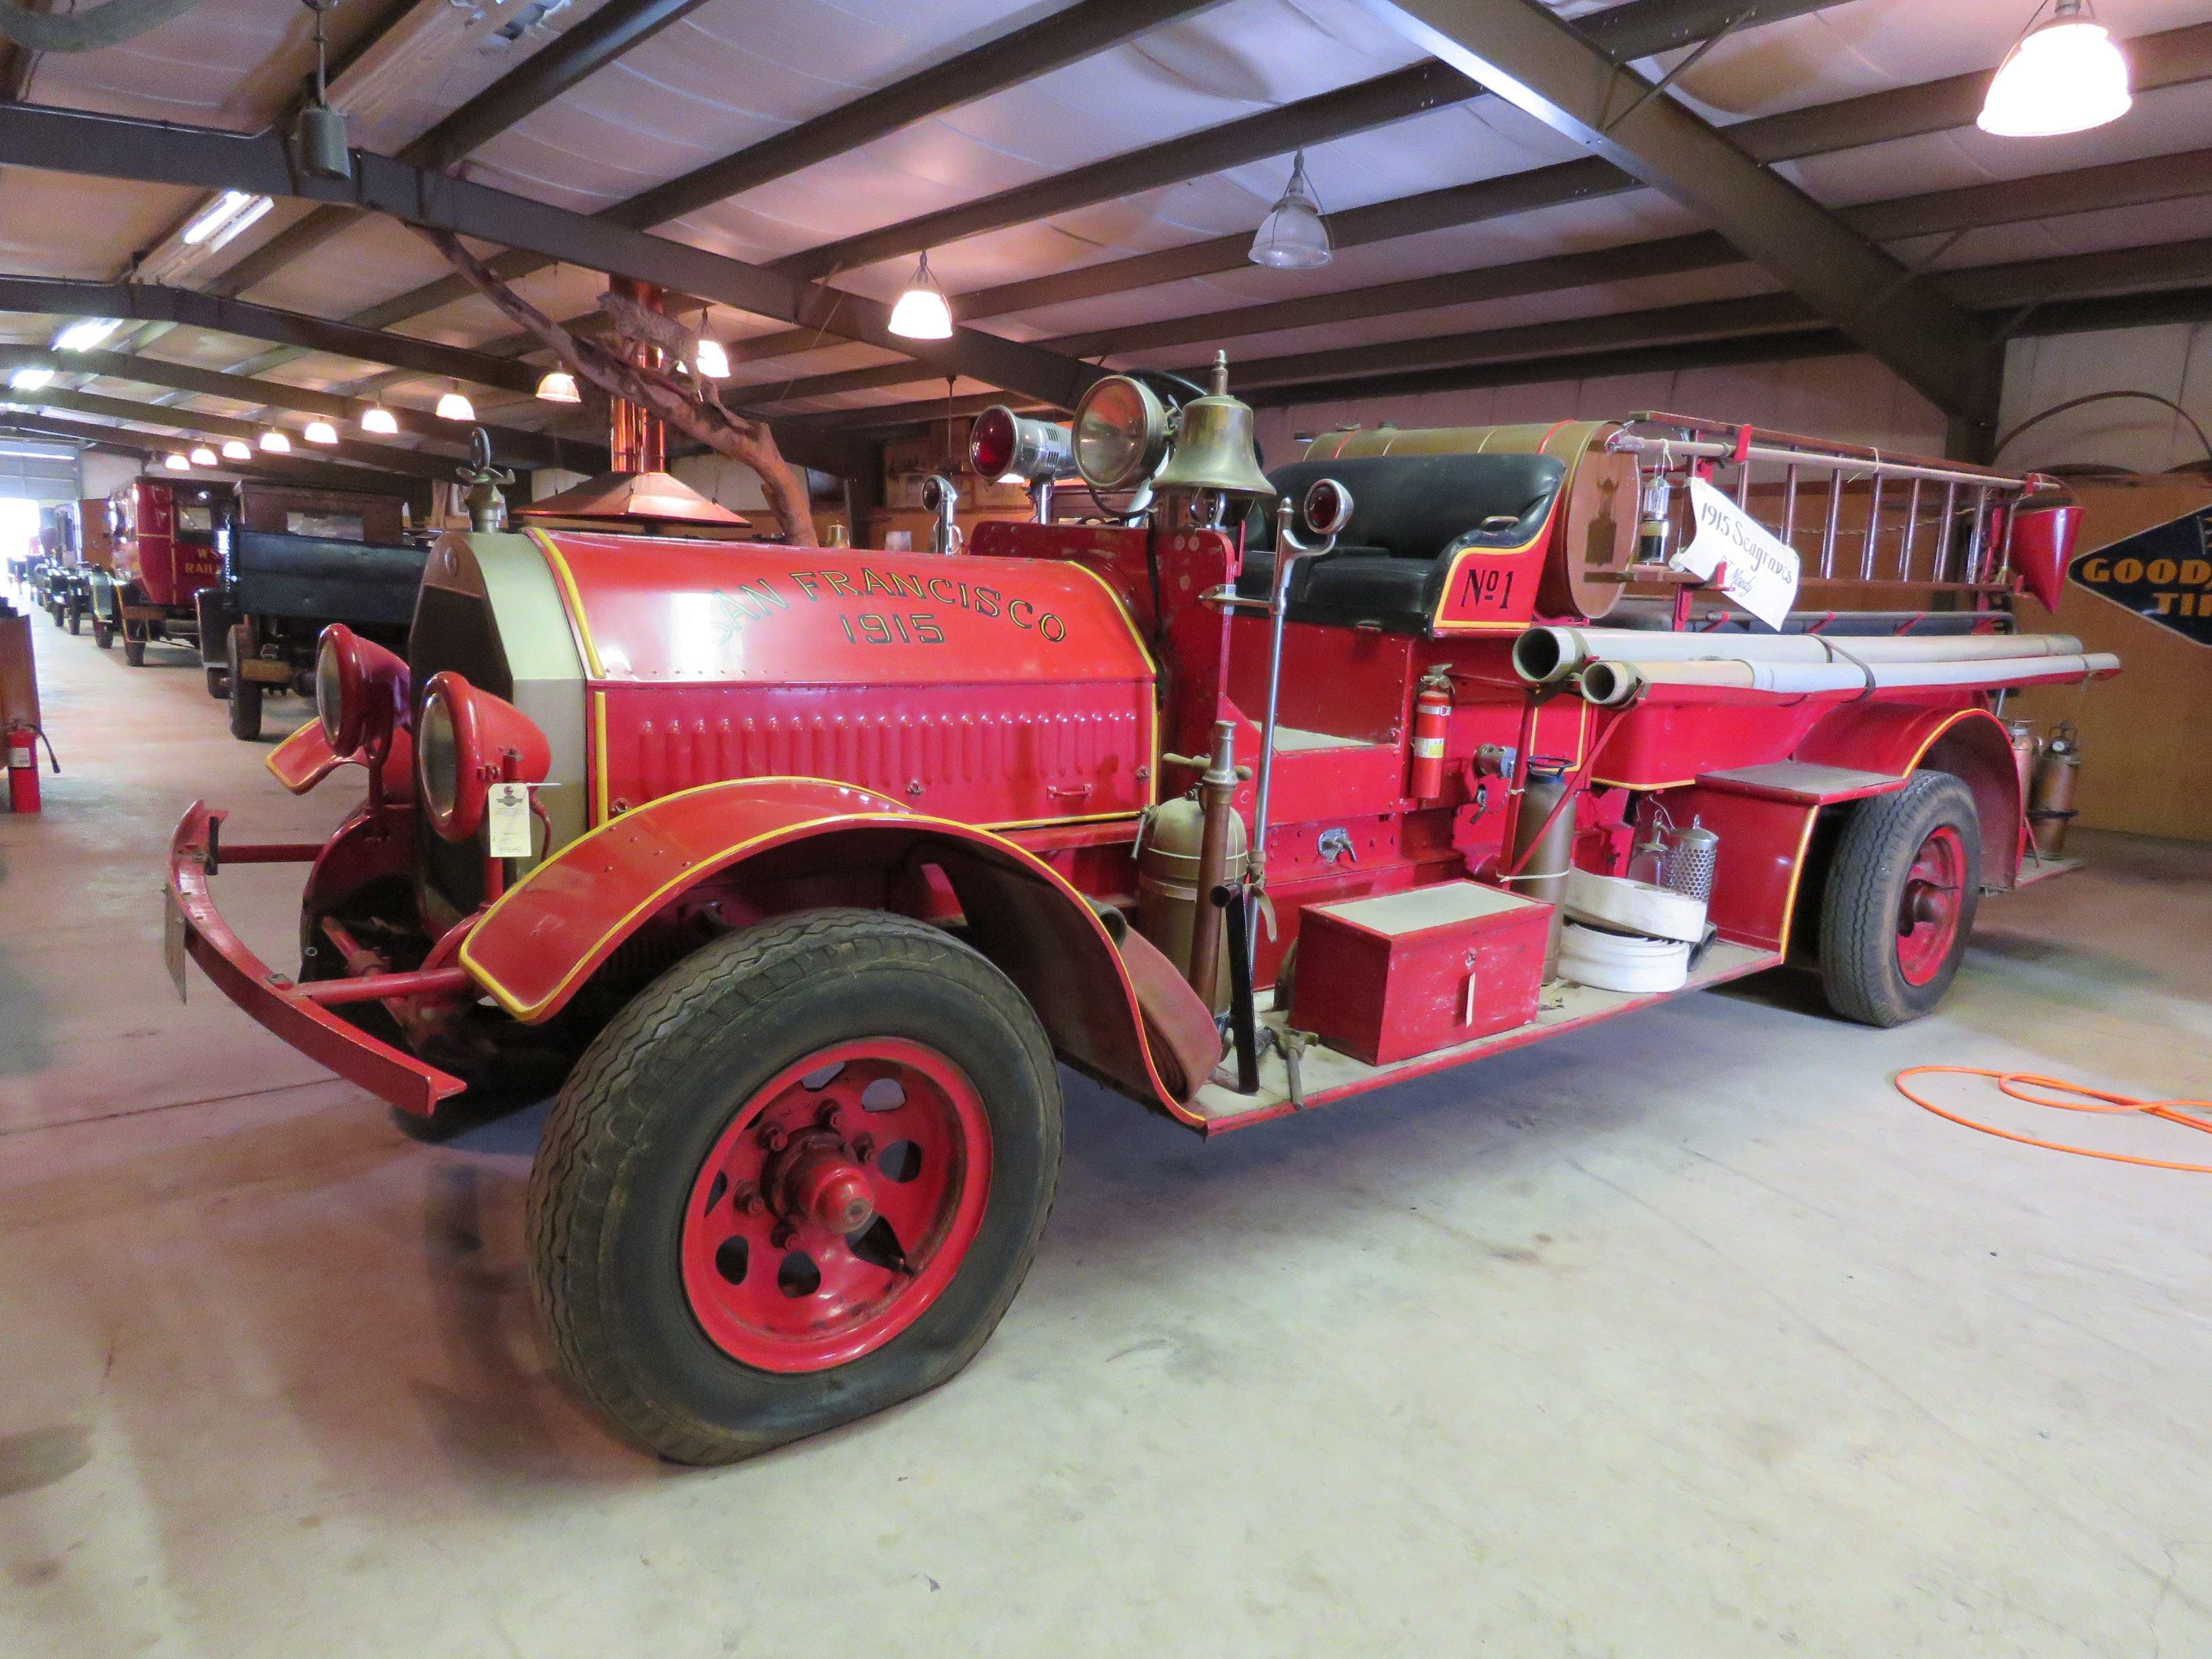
(272, 999)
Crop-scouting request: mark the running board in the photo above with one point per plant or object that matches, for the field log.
(1326, 1075)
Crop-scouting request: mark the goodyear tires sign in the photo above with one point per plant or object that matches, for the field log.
(2164, 573)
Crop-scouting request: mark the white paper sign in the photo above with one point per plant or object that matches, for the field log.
(507, 816)
(1762, 568)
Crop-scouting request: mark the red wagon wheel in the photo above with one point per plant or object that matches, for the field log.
(1928, 913)
(836, 1206)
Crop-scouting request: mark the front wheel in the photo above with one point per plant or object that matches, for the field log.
(1900, 901)
(134, 647)
(245, 694)
(797, 1180)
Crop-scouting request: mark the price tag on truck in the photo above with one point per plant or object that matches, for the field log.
(507, 818)
(1757, 570)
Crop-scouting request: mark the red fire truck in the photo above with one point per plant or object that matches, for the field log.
(799, 868)
(164, 555)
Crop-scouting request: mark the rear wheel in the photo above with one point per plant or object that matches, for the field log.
(1900, 901)
(102, 635)
(218, 683)
(795, 1181)
(75, 607)
(134, 647)
(245, 694)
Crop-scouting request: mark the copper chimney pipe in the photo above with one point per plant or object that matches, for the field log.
(637, 441)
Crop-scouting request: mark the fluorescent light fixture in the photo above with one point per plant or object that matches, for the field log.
(2065, 76)
(1293, 236)
(203, 456)
(558, 385)
(236, 449)
(921, 312)
(176, 463)
(710, 362)
(455, 407)
(31, 379)
(321, 432)
(84, 335)
(223, 218)
(378, 419)
(275, 443)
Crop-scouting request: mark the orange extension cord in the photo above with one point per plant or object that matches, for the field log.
(2016, 1085)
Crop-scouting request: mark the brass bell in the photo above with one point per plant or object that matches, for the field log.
(1215, 447)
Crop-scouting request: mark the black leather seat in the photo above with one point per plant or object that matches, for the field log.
(1410, 515)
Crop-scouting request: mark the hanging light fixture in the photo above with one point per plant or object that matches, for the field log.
(176, 463)
(275, 443)
(921, 312)
(1293, 236)
(2064, 76)
(31, 379)
(455, 407)
(236, 449)
(710, 362)
(321, 432)
(558, 385)
(203, 456)
(378, 419)
(82, 337)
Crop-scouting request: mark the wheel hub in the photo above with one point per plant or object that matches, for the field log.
(1930, 904)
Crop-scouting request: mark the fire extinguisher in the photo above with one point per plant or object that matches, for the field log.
(1432, 707)
(23, 768)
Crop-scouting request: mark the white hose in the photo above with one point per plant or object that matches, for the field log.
(1545, 654)
(1611, 684)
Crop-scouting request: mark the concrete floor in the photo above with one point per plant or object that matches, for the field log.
(1682, 1336)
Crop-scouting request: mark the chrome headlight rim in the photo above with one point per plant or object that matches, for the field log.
(1138, 430)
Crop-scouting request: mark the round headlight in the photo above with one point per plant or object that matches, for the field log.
(991, 442)
(332, 700)
(1003, 446)
(1120, 434)
(437, 762)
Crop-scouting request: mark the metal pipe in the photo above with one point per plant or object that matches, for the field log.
(375, 988)
(1217, 797)
(1549, 653)
(1288, 551)
(1612, 682)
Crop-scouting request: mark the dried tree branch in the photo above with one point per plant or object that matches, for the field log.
(661, 395)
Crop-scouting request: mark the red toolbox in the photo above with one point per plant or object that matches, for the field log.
(1386, 978)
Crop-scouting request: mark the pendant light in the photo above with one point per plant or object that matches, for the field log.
(1293, 237)
(710, 362)
(236, 449)
(921, 312)
(453, 406)
(2065, 75)
(275, 443)
(380, 419)
(558, 385)
(321, 432)
(176, 463)
(203, 456)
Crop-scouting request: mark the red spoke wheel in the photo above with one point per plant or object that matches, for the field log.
(797, 1179)
(1900, 901)
(837, 1205)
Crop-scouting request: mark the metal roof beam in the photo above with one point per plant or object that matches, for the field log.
(291, 468)
(386, 457)
(598, 40)
(63, 140)
(512, 444)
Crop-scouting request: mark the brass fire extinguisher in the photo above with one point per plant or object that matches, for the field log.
(1432, 707)
(2058, 777)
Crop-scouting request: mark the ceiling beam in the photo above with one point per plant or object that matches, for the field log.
(387, 457)
(2009, 201)
(151, 301)
(1396, 96)
(2175, 58)
(446, 438)
(70, 142)
(291, 468)
(617, 28)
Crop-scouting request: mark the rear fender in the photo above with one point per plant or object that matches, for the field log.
(1970, 743)
(540, 943)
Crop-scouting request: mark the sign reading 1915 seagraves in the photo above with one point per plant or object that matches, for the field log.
(2164, 573)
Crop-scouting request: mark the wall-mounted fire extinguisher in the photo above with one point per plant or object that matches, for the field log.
(22, 758)
(1432, 707)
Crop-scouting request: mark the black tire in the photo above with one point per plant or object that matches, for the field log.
(245, 694)
(653, 1094)
(134, 647)
(218, 683)
(1865, 907)
(76, 615)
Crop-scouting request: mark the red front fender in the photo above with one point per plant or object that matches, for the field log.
(538, 945)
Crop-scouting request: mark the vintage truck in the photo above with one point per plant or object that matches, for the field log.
(797, 870)
(293, 561)
(163, 541)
